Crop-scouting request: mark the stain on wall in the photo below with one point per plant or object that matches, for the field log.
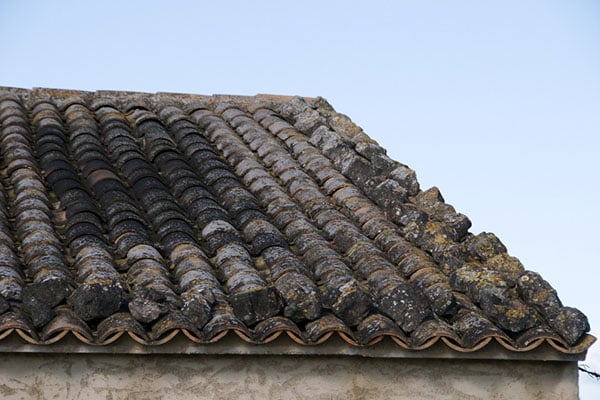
(89, 376)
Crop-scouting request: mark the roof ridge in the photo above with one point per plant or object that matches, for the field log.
(122, 93)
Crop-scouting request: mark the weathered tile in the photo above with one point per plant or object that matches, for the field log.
(154, 214)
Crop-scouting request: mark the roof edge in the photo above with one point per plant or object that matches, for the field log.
(124, 93)
(281, 345)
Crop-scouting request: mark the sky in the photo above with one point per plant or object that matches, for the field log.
(495, 103)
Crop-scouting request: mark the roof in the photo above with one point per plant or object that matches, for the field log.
(164, 216)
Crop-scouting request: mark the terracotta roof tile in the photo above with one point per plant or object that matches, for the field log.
(166, 214)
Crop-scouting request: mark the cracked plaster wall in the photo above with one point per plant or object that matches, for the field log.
(89, 376)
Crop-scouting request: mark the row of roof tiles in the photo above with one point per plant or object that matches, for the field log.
(151, 214)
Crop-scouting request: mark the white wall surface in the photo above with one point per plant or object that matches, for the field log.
(89, 376)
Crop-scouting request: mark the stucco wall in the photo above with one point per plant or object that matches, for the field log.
(90, 376)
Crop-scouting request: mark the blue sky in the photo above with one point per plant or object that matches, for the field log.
(496, 103)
